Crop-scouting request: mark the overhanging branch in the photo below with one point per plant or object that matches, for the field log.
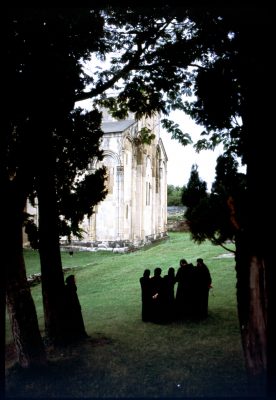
(133, 64)
(224, 247)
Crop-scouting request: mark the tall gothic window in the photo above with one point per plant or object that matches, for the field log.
(148, 181)
(148, 193)
(110, 180)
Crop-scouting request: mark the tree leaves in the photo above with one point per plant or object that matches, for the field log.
(219, 215)
(173, 128)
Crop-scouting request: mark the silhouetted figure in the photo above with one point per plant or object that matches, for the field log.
(168, 298)
(203, 285)
(157, 298)
(75, 324)
(146, 292)
(185, 290)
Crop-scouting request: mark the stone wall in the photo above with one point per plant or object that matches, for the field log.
(177, 226)
(176, 221)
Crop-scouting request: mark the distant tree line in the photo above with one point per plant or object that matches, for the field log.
(174, 194)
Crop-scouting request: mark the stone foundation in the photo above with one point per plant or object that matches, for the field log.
(117, 246)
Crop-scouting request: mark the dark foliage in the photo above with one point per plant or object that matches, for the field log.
(219, 215)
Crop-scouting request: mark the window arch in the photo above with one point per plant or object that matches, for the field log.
(148, 181)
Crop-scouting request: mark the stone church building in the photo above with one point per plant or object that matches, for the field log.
(134, 211)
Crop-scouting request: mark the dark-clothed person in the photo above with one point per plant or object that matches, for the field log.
(157, 300)
(146, 293)
(203, 285)
(168, 297)
(185, 290)
(75, 324)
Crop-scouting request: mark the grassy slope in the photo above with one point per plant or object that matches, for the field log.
(125, 357)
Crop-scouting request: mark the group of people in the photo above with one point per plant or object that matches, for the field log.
(160, 304)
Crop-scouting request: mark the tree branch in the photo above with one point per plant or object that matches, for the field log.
(100, 88)
(224, 247)
(133, 64)
(198, 66)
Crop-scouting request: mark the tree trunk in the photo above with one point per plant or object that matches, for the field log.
(252, 311)
(28, 342)
(50, 258)
(255, 259)
(52, 278)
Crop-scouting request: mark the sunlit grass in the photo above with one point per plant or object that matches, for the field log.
(125, 357)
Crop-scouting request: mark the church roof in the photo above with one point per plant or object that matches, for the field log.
(117, 126)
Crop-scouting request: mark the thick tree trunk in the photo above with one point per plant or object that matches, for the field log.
(256, 309)
(28, 342)
(255, 259)
(50, 257)
(252, 311)
(53, 288)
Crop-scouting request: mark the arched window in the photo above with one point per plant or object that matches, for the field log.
(110, 163)
(157, 172)
(148, 182)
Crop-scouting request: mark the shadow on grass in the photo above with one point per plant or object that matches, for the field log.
(64, 375)
(98, 367)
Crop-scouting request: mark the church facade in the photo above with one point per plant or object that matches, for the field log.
(134, 211)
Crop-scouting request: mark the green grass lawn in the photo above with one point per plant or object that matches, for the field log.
(124, 357)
